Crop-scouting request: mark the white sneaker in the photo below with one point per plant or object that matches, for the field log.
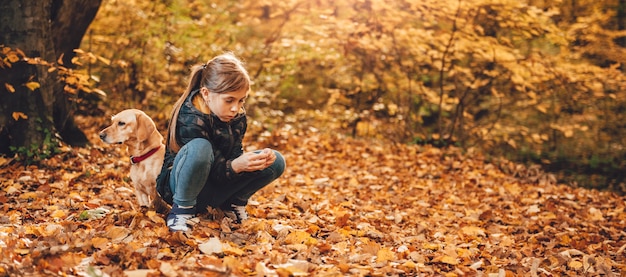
(178, 218)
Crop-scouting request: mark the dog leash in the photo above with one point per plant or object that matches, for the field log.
(136, 160)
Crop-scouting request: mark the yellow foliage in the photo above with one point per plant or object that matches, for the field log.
(449, 260)
(431, 246)
(99, 242)
(32, 85)
(300, 237)
(385, 255)
(58, 214)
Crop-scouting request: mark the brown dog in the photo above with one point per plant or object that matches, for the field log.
(145, 145)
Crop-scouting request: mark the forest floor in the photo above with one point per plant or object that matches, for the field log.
(343, 207)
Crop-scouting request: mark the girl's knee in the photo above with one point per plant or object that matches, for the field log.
(279, 164)
(198, 153)
(199, 144)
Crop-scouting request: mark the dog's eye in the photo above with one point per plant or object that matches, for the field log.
(121, 123)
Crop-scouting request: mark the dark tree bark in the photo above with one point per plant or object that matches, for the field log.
(47, 29)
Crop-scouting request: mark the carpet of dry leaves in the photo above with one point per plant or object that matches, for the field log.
(344, 207)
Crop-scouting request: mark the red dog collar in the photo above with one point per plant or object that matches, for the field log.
(136, 160)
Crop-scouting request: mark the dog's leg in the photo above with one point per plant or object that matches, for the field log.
(142, 197)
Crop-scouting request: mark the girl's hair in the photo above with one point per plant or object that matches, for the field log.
(222, 74)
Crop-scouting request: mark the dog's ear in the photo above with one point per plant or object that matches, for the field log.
(145, 126)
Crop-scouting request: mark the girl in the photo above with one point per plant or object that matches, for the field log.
(204, 163)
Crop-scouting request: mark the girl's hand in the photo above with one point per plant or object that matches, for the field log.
(253, 161)
(271, 157)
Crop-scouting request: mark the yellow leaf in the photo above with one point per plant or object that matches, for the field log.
(232, 250)
(9, 87)
(512, 143)
(32, 230)
(548, 216)
(116, 233)
(574, 264)
(18, 115)
(384, 255)
(60, 60)
(431, 246)
(76, 61)
(32, 85)
(100, 243)
(69, 175)
(58, 214)
(542, 108)
(4, 161)
(472, 231)
(410, 264)
(464, 253)
(71, 80)
(449, 260)
(300, 237)
(595, 214)
(29, 195)
(12, 57)
(568, 133)
(22, 251)
(104, 60)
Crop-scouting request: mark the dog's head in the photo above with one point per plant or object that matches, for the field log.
(131, 124)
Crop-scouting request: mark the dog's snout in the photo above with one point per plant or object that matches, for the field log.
(103, 135)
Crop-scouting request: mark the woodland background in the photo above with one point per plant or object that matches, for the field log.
(532, 81)
(423, 138)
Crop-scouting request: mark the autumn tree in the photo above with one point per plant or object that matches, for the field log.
(37, 38)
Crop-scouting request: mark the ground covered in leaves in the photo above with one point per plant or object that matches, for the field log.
(344, 207)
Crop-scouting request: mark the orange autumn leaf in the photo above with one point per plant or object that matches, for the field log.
(32, 85)
(99, 242)
(300, 237)
(19, 115)
(9, 87)
(449, 260)
(385, 255)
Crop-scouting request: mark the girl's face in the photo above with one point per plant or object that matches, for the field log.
(225, 105)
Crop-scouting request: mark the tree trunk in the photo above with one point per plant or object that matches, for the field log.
(45, 29)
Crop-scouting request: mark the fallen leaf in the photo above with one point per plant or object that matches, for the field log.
(212, 246)
(385, 255)
(449, 260)
(300, 237)
(140, 273)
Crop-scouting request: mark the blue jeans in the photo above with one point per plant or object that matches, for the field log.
(191, 186)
